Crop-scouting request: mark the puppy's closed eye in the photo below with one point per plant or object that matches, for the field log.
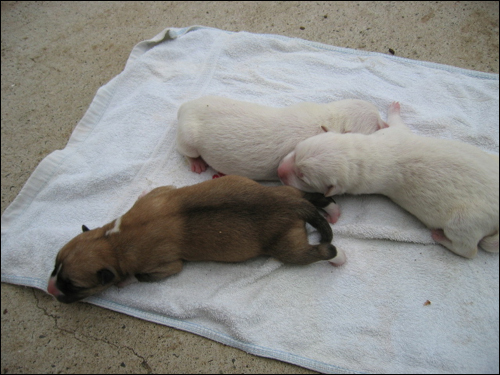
(105, 276)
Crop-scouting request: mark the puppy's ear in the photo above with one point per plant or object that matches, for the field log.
(84, 228)
(330, 190)
(105, 276)
(382, 125)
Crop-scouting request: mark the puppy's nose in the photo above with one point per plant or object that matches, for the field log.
(282, 176)
(52, 288)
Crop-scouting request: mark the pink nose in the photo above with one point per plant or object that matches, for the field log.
(282, 175)
(52, 288)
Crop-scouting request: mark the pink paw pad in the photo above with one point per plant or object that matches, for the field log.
(219, 174)
(198, 165)
(438, 235)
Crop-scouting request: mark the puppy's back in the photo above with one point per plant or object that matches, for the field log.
(234, 214)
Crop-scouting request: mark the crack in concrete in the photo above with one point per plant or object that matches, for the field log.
(144, 364)
(54, 317)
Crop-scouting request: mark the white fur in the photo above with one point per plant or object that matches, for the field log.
(116, 227)
(450, 186)
(52, 289)
(333, 212)
(339, 259)
(249, 140)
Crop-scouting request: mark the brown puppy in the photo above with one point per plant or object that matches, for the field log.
(229, 219)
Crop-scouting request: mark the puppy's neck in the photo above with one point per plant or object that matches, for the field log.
(372, 168)
(137, 238)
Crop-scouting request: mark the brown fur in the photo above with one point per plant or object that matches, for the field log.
(229, 219)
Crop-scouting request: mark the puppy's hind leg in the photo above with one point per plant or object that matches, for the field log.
(309, 214)
(314, 253)
(394, 119)
(187, 148)
(490, 243)
(313, 217)
(294, 248)
(197, 165)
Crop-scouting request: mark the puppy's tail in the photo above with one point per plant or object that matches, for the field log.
(325, 249)
(311, 215)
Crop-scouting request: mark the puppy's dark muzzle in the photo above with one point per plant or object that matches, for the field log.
(69, 299)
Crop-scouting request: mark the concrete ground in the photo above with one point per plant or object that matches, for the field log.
(55, 55)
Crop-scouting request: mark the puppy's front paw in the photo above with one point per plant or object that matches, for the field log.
(394, 108)
(439, 236)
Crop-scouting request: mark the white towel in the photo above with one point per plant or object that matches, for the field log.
(370, 315)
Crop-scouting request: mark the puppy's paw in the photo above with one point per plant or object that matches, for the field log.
(439, 236)
(198, 165)
(339, 259)
(332, 212)
(218, 175)
(394, 108)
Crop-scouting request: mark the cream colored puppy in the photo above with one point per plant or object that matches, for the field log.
(249, 140)
(451, 186)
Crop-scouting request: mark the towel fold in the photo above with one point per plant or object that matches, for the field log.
(400, 304)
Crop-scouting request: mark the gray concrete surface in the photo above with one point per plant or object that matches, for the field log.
(55, 55)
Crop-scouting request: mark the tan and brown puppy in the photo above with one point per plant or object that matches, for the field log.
(229, 219)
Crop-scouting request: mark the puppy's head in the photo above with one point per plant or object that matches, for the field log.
(315, 165)
(357, 116)
(84, 266)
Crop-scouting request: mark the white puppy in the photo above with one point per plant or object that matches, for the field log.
(451, 186)
(249, 140)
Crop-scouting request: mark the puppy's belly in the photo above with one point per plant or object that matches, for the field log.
(433, 215)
